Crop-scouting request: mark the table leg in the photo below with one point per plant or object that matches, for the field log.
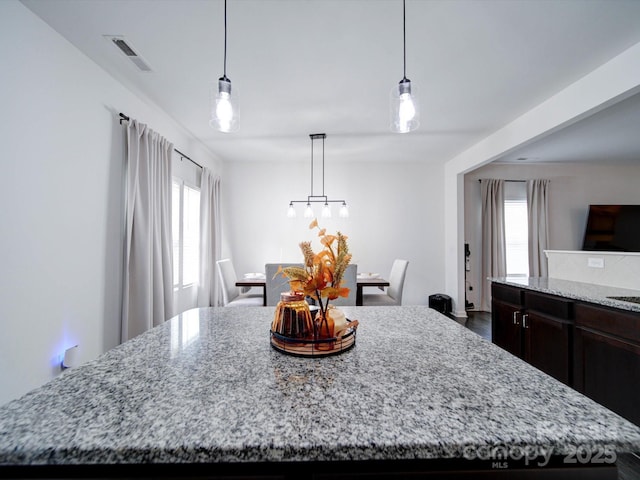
(359, 295)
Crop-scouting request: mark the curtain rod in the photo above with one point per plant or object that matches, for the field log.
(512, 181)
(124, 118)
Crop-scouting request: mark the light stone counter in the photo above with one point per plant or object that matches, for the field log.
(587, 292)
(206, 387)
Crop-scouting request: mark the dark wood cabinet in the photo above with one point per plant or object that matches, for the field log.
(547, 345)
(592, 348)
(506, 308)
(607, 358)
(535, 327)
(548, 334)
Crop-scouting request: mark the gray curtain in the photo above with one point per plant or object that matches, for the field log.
(538, 206)
(209, 293)
(494, 258)
(148, 279)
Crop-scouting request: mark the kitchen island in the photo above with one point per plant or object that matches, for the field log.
(205, 394)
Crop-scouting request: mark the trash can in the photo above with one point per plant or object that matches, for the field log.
(440, 302)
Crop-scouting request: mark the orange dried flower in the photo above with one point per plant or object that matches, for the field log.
(321, 276)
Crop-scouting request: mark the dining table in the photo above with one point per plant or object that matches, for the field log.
(254, 280)
(257, 280)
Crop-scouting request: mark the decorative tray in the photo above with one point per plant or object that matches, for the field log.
(324, 347)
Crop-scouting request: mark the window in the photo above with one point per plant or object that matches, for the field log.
(516, 229)
(185, 224)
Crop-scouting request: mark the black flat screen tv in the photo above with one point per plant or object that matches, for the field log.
(613, 228)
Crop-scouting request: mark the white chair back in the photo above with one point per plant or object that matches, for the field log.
(396, 280)
(231, 295)
(228, 278)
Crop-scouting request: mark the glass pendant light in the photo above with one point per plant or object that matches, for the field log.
(344, 211)
(405, 114)
(291, 212)
(326, 211)
(225, 109)
(308, 212)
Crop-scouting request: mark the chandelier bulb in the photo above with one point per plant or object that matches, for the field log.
(326, 211)
(344, 211)
(308, 212)
(291, 212)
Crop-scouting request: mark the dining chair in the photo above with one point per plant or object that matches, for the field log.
(279, 284)
(349, 280)
(231, 295)
(393, 295)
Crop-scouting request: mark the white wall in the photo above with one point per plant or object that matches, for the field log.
(395, 212)
(573, 188)
(61, 215)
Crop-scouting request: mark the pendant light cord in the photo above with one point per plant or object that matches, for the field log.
(404, 37)
(224, 73)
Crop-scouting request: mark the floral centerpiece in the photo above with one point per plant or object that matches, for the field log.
(321, 276)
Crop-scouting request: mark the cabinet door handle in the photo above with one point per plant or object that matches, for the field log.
(525, 317)
(515, 317)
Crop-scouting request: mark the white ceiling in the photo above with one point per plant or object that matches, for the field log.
(609, 136)
(311, 66)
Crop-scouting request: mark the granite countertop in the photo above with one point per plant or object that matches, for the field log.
(587, 292)
(207, 387)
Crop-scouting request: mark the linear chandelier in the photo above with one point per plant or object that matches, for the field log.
(405, 114)
(326, 209)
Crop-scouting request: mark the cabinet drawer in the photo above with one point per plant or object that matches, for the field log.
(506, 293)
(554, 306)
(621, 324)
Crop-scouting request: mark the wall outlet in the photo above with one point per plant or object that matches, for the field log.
(595, 262)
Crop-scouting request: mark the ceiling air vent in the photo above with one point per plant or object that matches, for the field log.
(124, 47)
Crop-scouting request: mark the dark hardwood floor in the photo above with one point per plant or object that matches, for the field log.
(480, 323)
(628, 467)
